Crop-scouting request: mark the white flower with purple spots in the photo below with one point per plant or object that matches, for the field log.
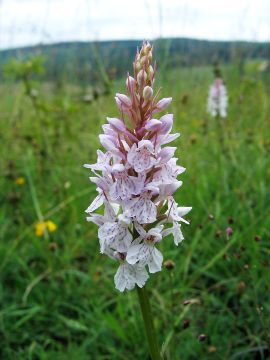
(136, 179)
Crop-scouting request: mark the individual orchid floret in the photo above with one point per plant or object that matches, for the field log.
(141, 156)
(142, 208)
(115, 235)
(143, 250)
(217, 99)
(124, 185)
(136, 178)
(128, 276)
(162, 105)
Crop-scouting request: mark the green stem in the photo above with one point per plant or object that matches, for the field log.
(148, 323)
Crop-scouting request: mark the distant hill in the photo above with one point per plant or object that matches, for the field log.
(84, 61)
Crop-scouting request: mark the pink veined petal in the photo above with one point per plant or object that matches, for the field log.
(146, 144)
(142, 209)
(153, 187)
(175, 230)
(96, 203)
(141, 275)
(107, 141)
(135, 253)
(176, 213)
(167, 123)
(109, 131)
(169, 138)
(139, 253)
(96, 219)
(156, 232)
(110, 212)
(132, 153)
(153, 125)
(123, 278)
(172, 211)
(124, 187)
(168, 172)
(141, 157)
(127, 276)
(139, 229)
(103, 161)
(155, 263)
(168, 189)
(115, 235)
(183, 210)
(177, 234)
(145, 254)
(166, 154)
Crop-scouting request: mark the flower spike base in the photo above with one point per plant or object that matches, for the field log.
(148, 323)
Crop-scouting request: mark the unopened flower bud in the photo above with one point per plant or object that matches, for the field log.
(130, 83)
(147, 48)
(211, 217)
(124, 100)
(186, 323)
(150, 72)
(153, 125)
(117, 124)
(257, 238)
(169, 264)
(147, 93)
(143, 60)
(141, 77)
(202, 337)
(229, 231)
(138, 65)
(162, 104)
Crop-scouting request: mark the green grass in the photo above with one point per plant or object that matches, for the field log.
(57, 294)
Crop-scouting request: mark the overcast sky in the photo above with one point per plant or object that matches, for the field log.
(29, 22)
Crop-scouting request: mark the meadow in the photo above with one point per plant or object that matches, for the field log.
(57, 294)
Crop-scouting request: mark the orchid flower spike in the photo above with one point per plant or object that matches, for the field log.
(217, 99)
(136, 178)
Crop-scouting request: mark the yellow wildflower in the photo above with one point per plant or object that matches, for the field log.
(51, 226)
(20, 181)
(42, 226)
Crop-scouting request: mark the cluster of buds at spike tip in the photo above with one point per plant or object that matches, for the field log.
(217, 99)
(136, 178)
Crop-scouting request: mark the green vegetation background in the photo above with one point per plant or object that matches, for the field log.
(57, 294)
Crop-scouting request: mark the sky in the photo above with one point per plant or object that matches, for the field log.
(31, 22)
